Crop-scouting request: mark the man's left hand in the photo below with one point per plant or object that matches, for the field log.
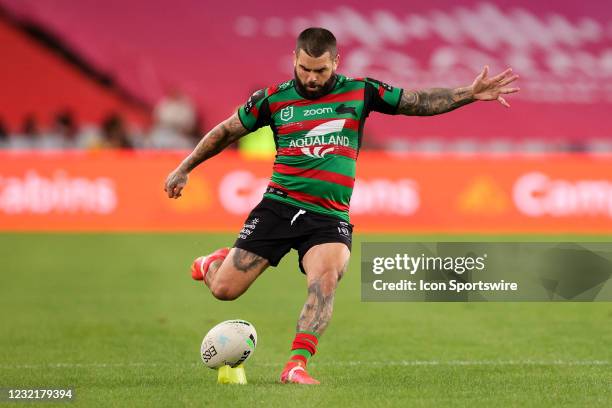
(491, 89)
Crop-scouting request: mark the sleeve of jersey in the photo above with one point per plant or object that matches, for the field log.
(382, 97)
(255, 113)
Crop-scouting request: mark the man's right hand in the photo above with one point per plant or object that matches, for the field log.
(175, 182)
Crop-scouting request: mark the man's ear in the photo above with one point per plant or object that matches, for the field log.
(294, 59)
(336, 61)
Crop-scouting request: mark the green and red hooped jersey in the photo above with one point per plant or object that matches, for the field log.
(317, 140)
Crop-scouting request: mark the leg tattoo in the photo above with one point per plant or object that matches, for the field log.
(317, 310)
(244, 261)
(212, 270)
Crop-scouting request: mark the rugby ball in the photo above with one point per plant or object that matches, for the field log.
(231, 343)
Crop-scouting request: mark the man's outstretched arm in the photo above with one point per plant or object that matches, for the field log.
(435, 101)
(221, 136)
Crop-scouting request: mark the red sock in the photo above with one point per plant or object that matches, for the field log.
(303, 347)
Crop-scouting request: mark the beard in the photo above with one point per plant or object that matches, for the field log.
(320, 89)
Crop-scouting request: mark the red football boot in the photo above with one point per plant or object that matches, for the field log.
(200, 266)
(295, 373)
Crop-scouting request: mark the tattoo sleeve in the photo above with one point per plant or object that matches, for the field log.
(221, 136)
(433, 101)
(317, 310)
(244, 261)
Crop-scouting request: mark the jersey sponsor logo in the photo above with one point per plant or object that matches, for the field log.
(256, 97)
(317, 152)
(317, 111)
(333, 126)
(286, 113)
(327, 133)
(342, 109)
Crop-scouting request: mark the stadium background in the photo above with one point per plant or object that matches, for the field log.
(100, 100)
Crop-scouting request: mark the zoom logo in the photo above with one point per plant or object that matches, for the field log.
(319, 111)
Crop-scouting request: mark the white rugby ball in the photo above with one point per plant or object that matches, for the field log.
(230, 343)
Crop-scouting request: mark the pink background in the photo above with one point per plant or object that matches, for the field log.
(218, 52)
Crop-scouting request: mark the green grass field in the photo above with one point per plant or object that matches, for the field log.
(118, 318)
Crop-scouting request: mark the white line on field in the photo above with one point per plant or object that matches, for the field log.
(472, 362)
(335, 363)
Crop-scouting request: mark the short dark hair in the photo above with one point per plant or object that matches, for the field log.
(316, 41)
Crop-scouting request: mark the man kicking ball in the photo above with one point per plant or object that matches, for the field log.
(317, 119)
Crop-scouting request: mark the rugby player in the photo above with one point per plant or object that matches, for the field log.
(317, 119)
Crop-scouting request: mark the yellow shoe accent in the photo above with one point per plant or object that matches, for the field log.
(229, 375)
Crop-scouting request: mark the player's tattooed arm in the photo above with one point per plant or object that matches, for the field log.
(221, 136)
(434, 101)
(317, 310)
(245, 261)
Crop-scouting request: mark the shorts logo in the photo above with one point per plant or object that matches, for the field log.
(248, 228)
(286, 113)
(343, 229)
(300, 212)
